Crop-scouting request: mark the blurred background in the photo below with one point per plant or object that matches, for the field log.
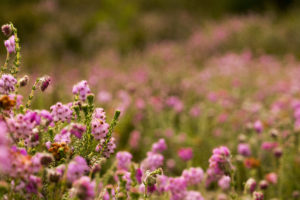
(73, 30)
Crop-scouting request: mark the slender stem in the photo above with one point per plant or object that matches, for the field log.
(28, 104)
(4, 68)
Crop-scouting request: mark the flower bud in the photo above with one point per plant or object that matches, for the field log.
(263, 184)
(250, 185)
(277, 152)
(6, 29)
(45, 81)
(258, 196)
(46, 159)
(24, 81)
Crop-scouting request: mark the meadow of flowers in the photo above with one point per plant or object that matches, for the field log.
(187, 120)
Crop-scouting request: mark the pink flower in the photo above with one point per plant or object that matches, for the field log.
(224, 182)
(123, 160)
(258, 126)
(244, 149)
(272, 178)
(193, 176)
(159, 146)
(82, 90)
(10, 44)
(185, 154)
(84, 188)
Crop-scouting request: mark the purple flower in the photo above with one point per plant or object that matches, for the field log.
(220, 160)
(33, 184)
(24, 126)
(185, 154)
(159, 146)
(82, 90)
(193, 195)
(10, 44)
(83, 188)
(250, 185)
(162, 183)
(258, 126)
(258, 196)
(193, 176)
(123, 160)
(77, 129)
(110, 148)
(63, 137)
(77, 168)
(139, 175)
(224, 182)
(45, 82)
(244, 149)
(152, 162)
(61, 112)
(177, 186)
(7, 84)
(99, 114)
(99, 128)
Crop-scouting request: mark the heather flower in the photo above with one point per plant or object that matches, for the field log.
(152, 162)
(24, 81)
(46, 117)
(63, 137)
(272, 178)
(77, 129)
(6, 29)
(220, 160)
(7, 84)
(193, 176)
(277, 152)
(244, 149)
(82, 90)
(159, 146)
(263, 184)
(269, 146)
(99, 114)
(139, 175)
(258, 196)
(23, 126)
(162, 183)
(77, 168)
(83, 188)
(45, 82)
(224, 182)
(61, 112)
(177, 186)
(250, 185)
(123, 160)
(110, 148)
(10, 44)
(33, 184)
(185, 154)
(193, 195)
(258, 126)
(99, 128)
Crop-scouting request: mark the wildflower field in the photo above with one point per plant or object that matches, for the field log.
(211, 114)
